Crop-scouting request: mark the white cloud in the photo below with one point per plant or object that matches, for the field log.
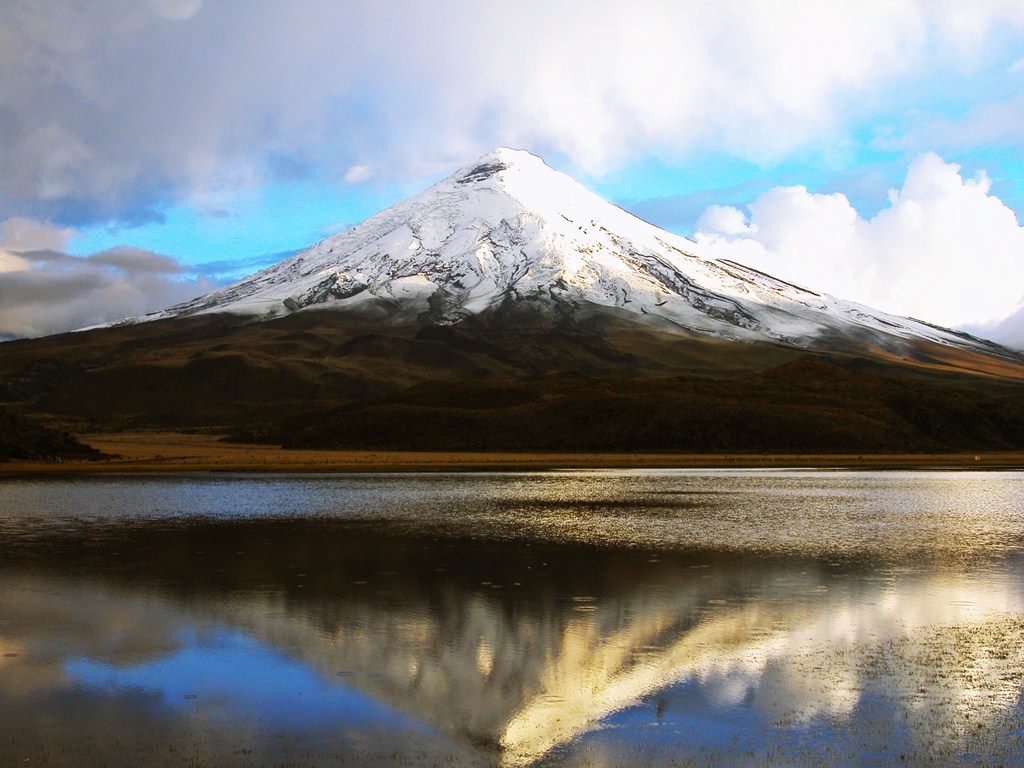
(992, 122)
(945, 250)
(45, 290)
(358, 173)
(724, 220)
(109, 105)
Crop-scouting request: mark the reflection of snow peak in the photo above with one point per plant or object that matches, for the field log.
(582, 688)
(532, 684)
(947, 649)
(510, 229)
(821, 662)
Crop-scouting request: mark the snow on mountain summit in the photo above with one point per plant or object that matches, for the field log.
(508, 228)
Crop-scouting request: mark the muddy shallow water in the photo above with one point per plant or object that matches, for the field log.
(565, 618)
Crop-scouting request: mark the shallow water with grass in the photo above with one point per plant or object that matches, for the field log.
(687, 617)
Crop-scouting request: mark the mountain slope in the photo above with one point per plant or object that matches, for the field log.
(807, 405)
(510, 273)
(510, 230)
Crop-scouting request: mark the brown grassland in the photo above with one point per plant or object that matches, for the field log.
(133, 452)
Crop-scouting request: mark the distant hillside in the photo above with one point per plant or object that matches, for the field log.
(803, 406)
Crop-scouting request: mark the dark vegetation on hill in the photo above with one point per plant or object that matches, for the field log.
(602, 382)
(803, 406)
(214, 371)
(23, 438)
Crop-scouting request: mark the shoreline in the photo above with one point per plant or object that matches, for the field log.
(167, 452)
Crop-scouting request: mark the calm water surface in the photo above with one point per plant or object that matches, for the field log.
(724, 618)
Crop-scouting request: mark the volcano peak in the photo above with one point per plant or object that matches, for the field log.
(509, 230)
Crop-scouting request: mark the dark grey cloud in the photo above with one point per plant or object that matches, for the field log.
(45, 291)
(43, 256)
(136, 261)
(20, 290)
(124, 259)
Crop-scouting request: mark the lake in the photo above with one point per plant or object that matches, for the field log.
(577, 618)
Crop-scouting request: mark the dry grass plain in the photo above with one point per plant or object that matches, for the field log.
(186, 452)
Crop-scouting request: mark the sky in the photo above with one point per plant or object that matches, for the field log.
(151, 150)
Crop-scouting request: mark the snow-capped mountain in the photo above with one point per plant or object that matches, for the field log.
(507, 307)
(508, 229)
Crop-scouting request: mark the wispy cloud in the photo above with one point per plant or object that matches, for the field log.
(358, 173)
(994, 122)
(227, 269)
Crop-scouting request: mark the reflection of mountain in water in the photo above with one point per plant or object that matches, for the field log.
(520, 648)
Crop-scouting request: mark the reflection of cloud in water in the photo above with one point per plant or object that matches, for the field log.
(933, 643)
(46, 621)
(517, 642)
(521, 677)
(104, 674)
